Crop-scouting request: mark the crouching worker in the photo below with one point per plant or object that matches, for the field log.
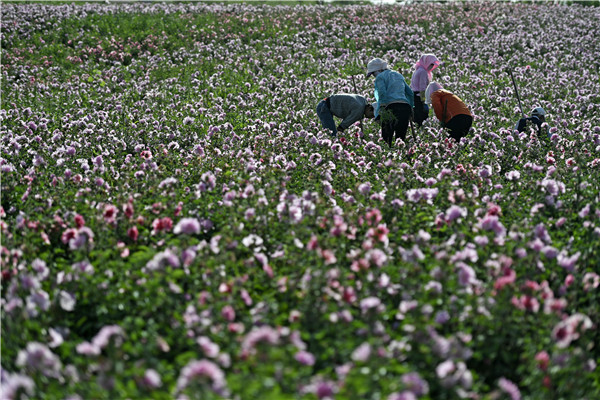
(349, 107)
(450, 110)
(395, 100)
(538, 117)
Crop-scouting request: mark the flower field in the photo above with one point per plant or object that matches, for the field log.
(175, 223)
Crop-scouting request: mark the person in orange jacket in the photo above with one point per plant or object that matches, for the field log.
(450, 110)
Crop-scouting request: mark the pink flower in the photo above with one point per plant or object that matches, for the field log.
(187, 226)
(369, 303)
(325, 390)
(376, 257)
(554, 305)
(264, 334)
(543, 359)
(494, 209)
(569, 279)
(513, 175)
(200, 371)
(68, 235)
(313, 243)
(128, 209)
(305, 358)
(406, 395)
(133, 233)
(228, 313)
(209, 348)
(362, 352)
(445, 369)
(151, 379)
(88, 349)
(568, 330)
(415, 383)
(466, 274)
(525, 302)
(246, 297)
(509, 277)
(39, 357)
(584, 211)
(102, 339)
(16, 384)
(549, 252)
(162, 224)
(110, 213)
(491, 223)
(249, 214)
(509, 388)
(567, 262)
(364, 188)
(455, 212)
(553, 187)
(79, 221)
(328, 256)
(591, 280)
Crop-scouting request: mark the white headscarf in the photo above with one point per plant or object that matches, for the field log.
(433, 87)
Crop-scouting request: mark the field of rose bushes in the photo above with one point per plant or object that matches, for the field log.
(176, 224)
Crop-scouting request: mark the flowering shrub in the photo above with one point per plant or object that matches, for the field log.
(176, 224)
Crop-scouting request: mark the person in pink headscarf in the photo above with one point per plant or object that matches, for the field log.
(419, 82)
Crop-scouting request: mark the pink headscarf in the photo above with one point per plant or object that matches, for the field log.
(425, 61)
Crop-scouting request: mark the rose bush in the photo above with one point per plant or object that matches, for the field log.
(176, 223)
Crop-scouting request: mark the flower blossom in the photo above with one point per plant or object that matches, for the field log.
(199, 371)
(187, 226)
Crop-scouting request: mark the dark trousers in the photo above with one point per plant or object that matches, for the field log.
(421, 110)
(459, 126)
(394, 121)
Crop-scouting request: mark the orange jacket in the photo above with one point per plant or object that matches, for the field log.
(453, 105)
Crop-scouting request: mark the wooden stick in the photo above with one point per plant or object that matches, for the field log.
(517, 92)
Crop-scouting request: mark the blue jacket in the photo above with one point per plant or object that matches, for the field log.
(390, 87)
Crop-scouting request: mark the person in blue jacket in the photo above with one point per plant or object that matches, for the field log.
(395, 100)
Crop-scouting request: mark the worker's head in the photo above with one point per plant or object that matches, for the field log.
(429, 62)
(431, 88)
(540, 113)
(369, 111)
(375, 66)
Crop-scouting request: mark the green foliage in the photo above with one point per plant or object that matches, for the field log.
(227, 93)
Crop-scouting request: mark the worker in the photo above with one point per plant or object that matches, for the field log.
(395, 100)
(349, 107)
(450, 110)
(538, 117)
(419, 82)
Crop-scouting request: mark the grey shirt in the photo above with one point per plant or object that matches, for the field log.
(349, 107)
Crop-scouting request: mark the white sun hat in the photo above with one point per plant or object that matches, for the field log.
(539, 111)
(376, 64)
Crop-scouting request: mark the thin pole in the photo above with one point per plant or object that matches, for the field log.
(412, 129)
(355, 91)
(516, 91)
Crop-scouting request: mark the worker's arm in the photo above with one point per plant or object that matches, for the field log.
(410, 95)
(423, 82)
(436, 103)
